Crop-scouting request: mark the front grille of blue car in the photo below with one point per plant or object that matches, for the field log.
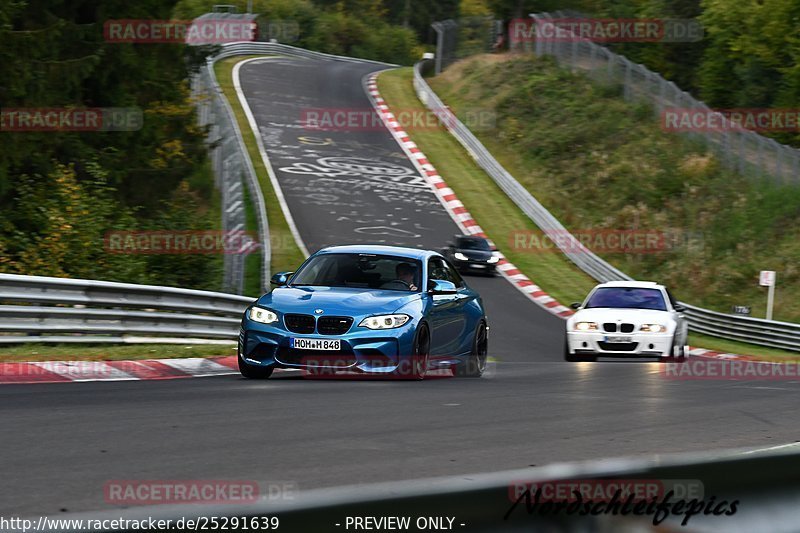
(334, 325)
(325, 325)
(299, 323)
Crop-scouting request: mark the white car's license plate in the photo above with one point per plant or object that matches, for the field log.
(619, 339)
(315, 344)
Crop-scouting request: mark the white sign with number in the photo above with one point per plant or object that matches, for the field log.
(766, 278)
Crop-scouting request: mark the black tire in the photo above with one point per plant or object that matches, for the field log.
(475, 366)
(678, 352)
(253, 371)
(421, 352)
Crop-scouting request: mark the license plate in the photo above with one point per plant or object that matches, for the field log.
(315, 344)
(619, 339)
(477, 266)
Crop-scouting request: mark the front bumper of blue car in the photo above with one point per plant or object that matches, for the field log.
(360, 348)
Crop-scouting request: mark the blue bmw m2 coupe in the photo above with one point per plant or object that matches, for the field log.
(366, 309)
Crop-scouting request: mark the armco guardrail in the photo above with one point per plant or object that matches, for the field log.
(764, 486)
(43, 309)
(757, 331)
(231, 162)
(77, 310)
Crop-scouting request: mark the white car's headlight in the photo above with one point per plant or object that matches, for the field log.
(653, 328)
(585, 326)
(265, 316)
(460, 256)
(384, 321)
(493, 259)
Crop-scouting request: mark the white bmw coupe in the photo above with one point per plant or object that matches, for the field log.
(627, 319)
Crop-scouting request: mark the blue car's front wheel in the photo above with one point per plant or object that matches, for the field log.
(421, 351)
(475, 365)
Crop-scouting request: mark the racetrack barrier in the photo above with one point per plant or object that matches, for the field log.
(772, 333)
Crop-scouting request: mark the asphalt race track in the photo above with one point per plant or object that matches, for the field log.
(62, 442)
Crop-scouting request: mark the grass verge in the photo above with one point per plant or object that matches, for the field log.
(285, 253)
(485, 201)
(91, 352)
(483, 198)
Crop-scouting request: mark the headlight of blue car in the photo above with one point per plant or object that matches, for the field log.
(264, 316)
(384, 321)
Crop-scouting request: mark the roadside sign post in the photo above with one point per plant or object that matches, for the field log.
(767, 279)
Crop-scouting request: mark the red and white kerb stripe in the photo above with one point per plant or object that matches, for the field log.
(454, 206)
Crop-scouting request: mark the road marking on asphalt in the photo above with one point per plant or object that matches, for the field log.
(772, 448)
(251, 120)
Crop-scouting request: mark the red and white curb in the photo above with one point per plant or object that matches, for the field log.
(136, 370)
(453, 205)
(469, 226)
(702, 352)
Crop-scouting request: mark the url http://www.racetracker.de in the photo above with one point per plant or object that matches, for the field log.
(202, 523)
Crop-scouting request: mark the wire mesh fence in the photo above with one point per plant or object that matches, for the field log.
(743, 150)
(457, 39)
(738, 147)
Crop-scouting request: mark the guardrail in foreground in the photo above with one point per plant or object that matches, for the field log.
(77, 310)
(765, 487)
(770, 333)
(231, 162)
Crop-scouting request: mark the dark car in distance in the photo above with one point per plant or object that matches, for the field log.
(472, 254)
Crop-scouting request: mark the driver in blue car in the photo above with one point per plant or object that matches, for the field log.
(405, 276)
(405, 273)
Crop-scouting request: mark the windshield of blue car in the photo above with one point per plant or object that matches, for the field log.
(627, 298)
(366, 271)
(473, 244)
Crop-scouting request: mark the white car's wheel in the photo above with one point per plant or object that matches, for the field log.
(678, 351)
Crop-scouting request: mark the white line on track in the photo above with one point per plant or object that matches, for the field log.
(251, 119)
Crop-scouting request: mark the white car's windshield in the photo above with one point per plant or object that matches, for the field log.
(627, 298)
(368, 271)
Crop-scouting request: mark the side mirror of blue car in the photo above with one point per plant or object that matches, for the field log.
(280, 278)
(440, 286)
